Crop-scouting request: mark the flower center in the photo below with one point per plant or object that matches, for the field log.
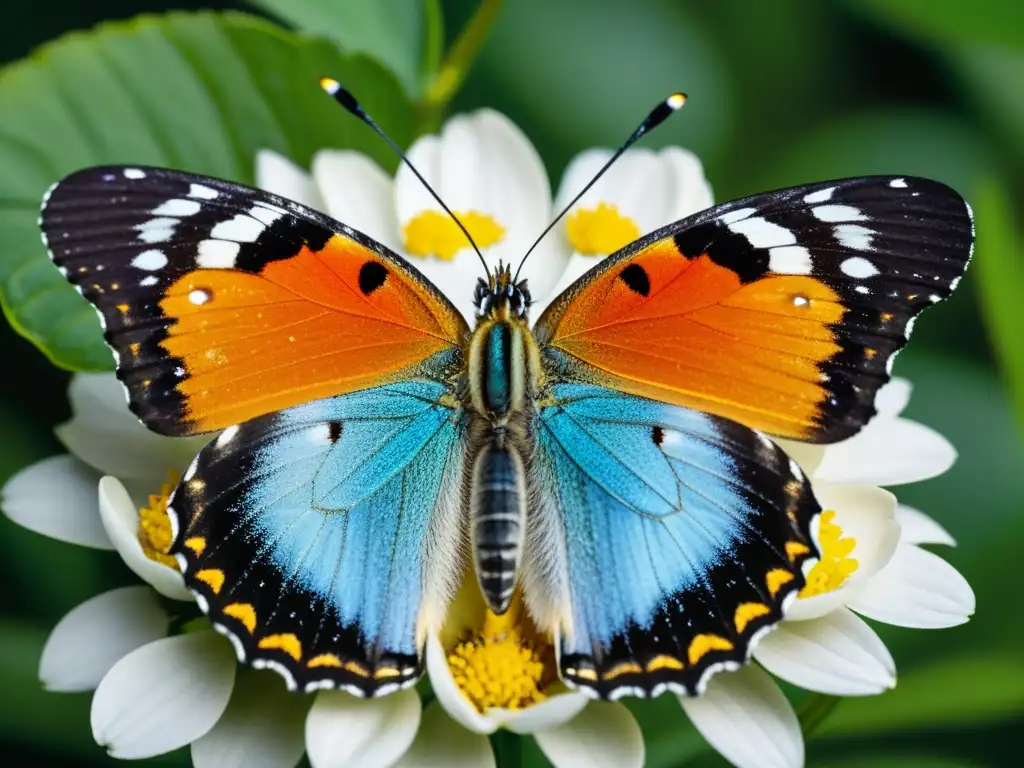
(600, 231)
(499, 667)
(835, 565)
(155, 526)
(434, 233)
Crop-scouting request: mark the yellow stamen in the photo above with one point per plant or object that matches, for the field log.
(503, 664)
(835, 565)
(434, 233)
(155, 526)
(600, 231)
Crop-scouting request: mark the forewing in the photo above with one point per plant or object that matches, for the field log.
(665, 543)
(223, 303)
(305, 535)
(782, 311)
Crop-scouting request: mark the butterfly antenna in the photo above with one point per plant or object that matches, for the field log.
(657, 116)
(344, 97)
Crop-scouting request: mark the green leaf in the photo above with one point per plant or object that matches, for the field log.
(198, 92)
(961, 691)
(403, 35)
(999, 267)
(992, 78)
(995, 22)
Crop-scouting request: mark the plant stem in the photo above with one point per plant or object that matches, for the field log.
(508, 749)
(453, 70)
(814, 711)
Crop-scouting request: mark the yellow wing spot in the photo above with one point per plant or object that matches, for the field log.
(886, 317)
(664, 662)
(324, 660)
(197, 544)
(776, 578)
(134, 347)
(870, 353)
(583, 674)
(434, 233)
(747, 612)
(702, 645)
(212, 577)
(794, 549)
(385, 672)
(356, 669)
(286, 642)
(625, 668)
(244, 612)
(123, 308)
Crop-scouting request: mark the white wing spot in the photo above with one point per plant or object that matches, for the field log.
(156, 230)
(320, 434)
(191, 471)
(801, 301)
(898, 183)
(150, 261)
(857, 266)
(862, 289)
(266, 214)
(148, 280)
(199, 296)
(201, 191)
(837, 213)
(821, 196)
(854, 236)
(177, 207)
(227, 436)
(790, 260)
(762, 233)
(241, 229)
(134, 173)
(739, 213)
(217, 254)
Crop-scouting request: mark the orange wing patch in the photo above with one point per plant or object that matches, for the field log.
(318, 324)
(687, 331)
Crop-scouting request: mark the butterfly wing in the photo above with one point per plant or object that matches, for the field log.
(305, 535)
(782, 311)
(667, 542)
(223, 303)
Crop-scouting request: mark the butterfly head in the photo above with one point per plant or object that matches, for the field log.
(499, 296)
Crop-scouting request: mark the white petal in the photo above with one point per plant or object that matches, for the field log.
(838, 654)
(97, 634)
(550, 713)
(888, 451)
(121, 521)
(866, 514)
(448, 693)
(807, 455)
(916, 589)
(342, 730)
(893, 397)
(164, 695)
(690, 192)
(745, 716)
(261, 728)
(441, 741)
(57, 498)
(918, 528)
(603, 734)
(276, 173)
(106, 435)
(357, 192)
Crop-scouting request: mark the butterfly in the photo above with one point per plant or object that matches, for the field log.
(612, 462)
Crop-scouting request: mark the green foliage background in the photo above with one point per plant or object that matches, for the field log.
(782, 92)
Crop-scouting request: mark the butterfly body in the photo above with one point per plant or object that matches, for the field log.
(611, 463)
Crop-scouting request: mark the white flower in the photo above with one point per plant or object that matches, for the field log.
(156, 692)
(489, 174)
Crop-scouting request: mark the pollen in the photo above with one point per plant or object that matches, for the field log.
(498, 667)
(600, 231)
(835, 565)
(155, 526)
(432, 233)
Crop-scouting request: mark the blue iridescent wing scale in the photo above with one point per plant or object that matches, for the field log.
(304, 534)
(683, 537)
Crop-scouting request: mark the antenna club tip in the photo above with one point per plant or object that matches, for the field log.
(676, 100)
(330, 85)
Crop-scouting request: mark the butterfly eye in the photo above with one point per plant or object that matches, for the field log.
(479, 292)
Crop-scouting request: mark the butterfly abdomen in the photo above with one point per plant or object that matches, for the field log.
(498, 511)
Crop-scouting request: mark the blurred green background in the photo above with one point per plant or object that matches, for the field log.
(781, 93)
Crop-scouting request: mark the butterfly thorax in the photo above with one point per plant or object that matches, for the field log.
(503, 369)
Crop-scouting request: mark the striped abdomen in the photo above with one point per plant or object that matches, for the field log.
(498, 516)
